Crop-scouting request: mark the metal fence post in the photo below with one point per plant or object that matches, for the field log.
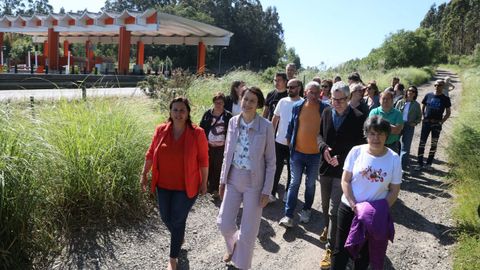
(84, 92)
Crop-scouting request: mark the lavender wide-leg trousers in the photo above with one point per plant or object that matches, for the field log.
(239, 189)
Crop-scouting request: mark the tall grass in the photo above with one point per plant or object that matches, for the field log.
(202, 90)
(22, 223)
(464, 153)
(73, 164)
(99, 147)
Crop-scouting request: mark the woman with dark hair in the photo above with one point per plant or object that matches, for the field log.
(370, 182)
(399, 93)
(178, 158)
(412, 116)
(247, 178)
(215, 124)
(373, 96)
(232, 102)
(326, 91)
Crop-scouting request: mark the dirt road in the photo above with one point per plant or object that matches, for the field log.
(422, 222)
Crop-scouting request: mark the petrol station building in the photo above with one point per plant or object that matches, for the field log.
(125, 29)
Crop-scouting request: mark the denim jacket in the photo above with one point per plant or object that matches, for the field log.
(293, 125)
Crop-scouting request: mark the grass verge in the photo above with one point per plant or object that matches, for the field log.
(465, 154)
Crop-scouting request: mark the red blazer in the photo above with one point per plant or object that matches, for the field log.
(195, 156)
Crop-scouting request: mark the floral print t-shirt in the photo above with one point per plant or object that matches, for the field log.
(371, 175)
(241, 157)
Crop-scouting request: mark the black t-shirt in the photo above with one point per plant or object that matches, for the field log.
(435, 106)
(272, 99)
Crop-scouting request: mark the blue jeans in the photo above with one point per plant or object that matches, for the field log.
(174, 207)
(406, 140)
(299, 162)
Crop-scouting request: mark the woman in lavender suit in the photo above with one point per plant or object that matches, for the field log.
(246, 178)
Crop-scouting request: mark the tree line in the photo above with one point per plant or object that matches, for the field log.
(446, 33)
(456, 24)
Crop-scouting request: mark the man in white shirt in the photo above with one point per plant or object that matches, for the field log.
(280, 121)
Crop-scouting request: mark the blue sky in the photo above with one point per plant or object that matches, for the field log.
(329, 31)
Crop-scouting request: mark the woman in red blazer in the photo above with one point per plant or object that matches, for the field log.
(178, 158)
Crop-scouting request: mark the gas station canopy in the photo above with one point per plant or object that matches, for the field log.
(124, 29)
(151, 27)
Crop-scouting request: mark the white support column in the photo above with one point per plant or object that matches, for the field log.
(67, 71)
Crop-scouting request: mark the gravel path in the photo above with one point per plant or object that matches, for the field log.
(422, 215)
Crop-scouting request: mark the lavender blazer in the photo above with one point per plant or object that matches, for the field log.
(262, 152)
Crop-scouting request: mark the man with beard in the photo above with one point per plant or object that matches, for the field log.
(280, 121)
(303, 136)
(275, 95)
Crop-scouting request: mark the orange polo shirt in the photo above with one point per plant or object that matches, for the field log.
(308, 129)
(171, 156)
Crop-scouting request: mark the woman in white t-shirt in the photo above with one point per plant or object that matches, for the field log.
(371, 172)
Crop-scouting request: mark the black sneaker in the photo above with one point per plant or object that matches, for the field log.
(419, 167)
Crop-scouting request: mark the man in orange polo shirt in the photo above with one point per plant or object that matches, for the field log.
(303, 138)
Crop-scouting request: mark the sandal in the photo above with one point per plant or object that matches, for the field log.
(228, 257)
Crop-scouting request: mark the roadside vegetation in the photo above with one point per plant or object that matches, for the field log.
(464, 155)
(64, 165)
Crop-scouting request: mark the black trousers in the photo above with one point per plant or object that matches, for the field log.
(282, 153)
(215, 159)
(395, 146)
(340, 255)
(427, 128)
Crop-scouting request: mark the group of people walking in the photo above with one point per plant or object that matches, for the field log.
(347, 135)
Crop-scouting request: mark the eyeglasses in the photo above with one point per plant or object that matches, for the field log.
(438, 85)
(339, 99)
(292, 86)
(324, 86)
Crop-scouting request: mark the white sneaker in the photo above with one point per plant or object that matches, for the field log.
(272, 198)
(305, 215)
(286, 222)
